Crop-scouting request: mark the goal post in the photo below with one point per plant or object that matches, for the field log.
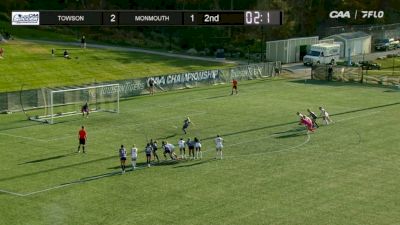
(65, 102)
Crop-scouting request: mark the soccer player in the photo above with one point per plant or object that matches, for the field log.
(134, 154)
(182, 149)
(148, 150)
(325, 116)
(186, 123)
(234, 86)
(197, 147)
(313, 117)
(83, 42)
(168, 149)
(82, 139)
(151, 86)
(190, 145)
(85, 109)
(307, 122)
(155, 148)
(122, 157)
(219, 145)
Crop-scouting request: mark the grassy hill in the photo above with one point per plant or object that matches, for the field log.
(33, 65)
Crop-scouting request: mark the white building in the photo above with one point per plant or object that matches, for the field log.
(353, 43)
(289, 50)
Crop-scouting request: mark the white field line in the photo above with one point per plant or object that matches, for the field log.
(142, 167)
(11, 193)
(100, 130)
(23, 137)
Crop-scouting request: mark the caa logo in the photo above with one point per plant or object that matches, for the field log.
(25, 18)
(339, 14)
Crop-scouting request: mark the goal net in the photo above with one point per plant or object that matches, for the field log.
(60, 103)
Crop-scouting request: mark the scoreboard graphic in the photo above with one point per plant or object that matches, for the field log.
(147, 18)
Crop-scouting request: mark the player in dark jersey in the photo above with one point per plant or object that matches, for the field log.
(155, 148)
(122, 157)
(313, 117)
(151, 86)
(190, 145)
(186, 123)
(148, 150)
(82, 139)
(85, 109)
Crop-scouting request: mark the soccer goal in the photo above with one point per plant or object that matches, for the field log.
(65, 102)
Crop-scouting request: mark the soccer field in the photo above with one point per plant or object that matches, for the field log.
(273, 172)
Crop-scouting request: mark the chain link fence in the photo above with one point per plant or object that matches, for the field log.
(353, 74)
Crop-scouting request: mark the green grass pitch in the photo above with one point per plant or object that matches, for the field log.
(272, 173)
(32, 64)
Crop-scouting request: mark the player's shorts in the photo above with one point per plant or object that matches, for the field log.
(198, 145)
(82, 141)
(85, 110)
(191, 147)
(167, 150)
(219, 147)
(134, 159)
(123, 158)
(148, 154)
(185, 126)
(234, 87)
(181, 147)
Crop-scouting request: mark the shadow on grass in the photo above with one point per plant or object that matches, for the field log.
(144, 164)
(219, 96)
(167, 137)
(194, 164)
(46, 159)
(55, 169)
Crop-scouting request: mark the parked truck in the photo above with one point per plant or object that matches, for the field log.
(324, 53)
(386, 44)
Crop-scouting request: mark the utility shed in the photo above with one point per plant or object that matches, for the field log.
(289, 50)
(353, 43)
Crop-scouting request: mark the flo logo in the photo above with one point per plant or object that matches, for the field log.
(372, 14)
(25, 18)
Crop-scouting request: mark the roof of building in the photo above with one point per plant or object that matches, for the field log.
(350, 35)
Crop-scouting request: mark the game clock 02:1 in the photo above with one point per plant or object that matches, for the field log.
(262, 18)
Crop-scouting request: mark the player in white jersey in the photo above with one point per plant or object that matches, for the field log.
(134, 154)
(219, 145)
(169, 149)
(325, 116)
(197, 147)
(122, 156)
(182, 149)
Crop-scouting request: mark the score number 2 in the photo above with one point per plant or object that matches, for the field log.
(112, 18)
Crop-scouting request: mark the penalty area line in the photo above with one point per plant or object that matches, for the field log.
(11, 193)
